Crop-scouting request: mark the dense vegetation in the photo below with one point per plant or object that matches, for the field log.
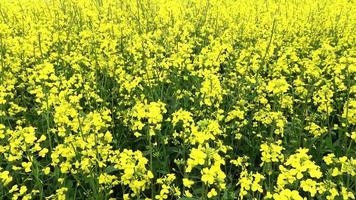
(177, 99)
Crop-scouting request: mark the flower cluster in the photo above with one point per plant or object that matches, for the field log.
(177, 99)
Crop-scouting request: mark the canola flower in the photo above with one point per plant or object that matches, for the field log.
(177, 99)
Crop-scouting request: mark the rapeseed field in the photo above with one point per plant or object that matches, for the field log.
(177, 99)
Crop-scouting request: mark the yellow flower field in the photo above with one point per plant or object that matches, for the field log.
(177, 99)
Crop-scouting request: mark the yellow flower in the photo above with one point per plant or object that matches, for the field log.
(211, 90)
(309, 186)
(278, 86)
(197, 157)
(212, 193)
(188, 194)
(287, 194)
(207, 176)
(315, 130)
(187, 183)
(14, 188)
(23, 190)
(2, 131)
(271, 152)
(328, 159)
(61, 193)
(26, 166)
(29, 135)
(5, 177)
(43, 152)
(46, 170)
(336, 172)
